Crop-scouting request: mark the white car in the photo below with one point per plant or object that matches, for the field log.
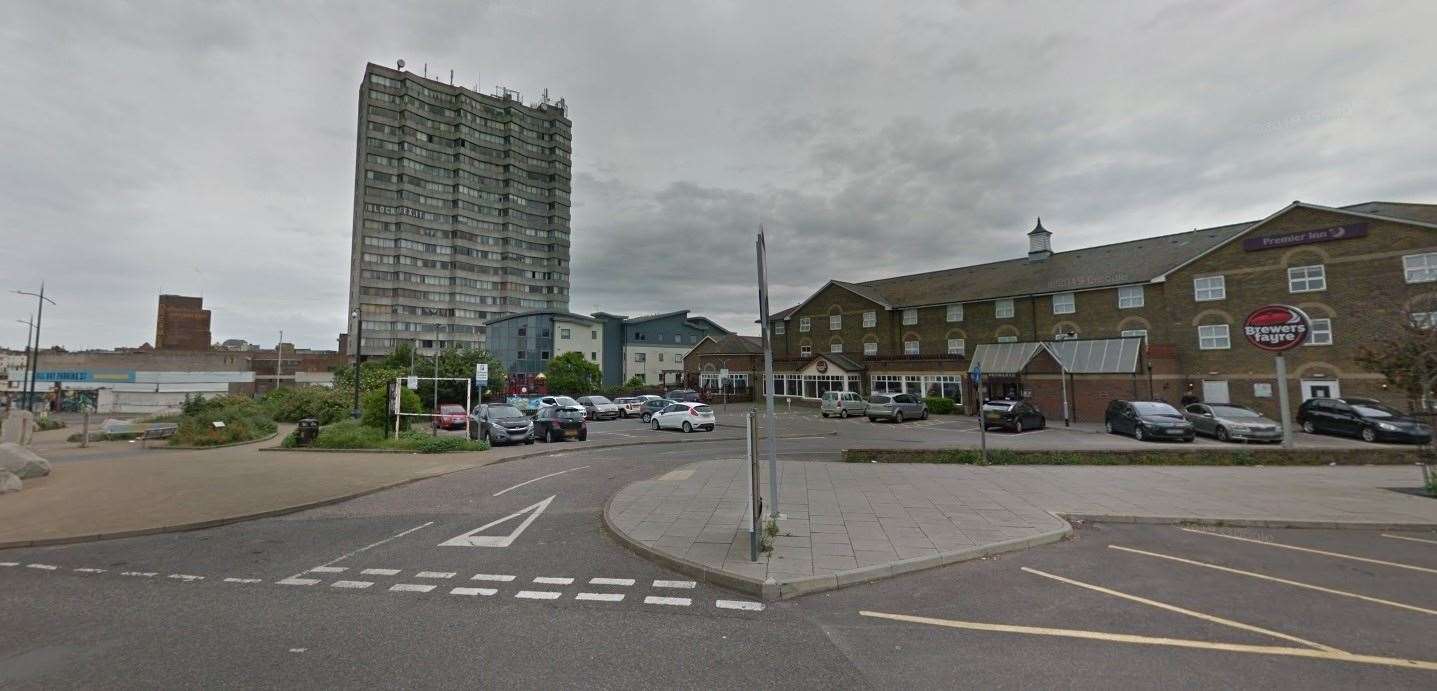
(685, 416)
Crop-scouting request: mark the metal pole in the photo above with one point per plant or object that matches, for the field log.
(1285, 412)
(358, 347)
(751, 428)
(35, 354)
(278, 358)
(982, 425)
(434, 429)
(85, 429)
(772, 418)
(25, 371)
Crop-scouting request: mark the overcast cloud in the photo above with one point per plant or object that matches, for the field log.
(203, 147)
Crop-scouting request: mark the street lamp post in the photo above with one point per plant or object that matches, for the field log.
(35, 362)
(358, 346)
(25, 369)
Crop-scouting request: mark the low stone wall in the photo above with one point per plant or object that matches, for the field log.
(1206, 457)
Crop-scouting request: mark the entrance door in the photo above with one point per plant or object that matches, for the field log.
(1215, 391)
(1320, 388)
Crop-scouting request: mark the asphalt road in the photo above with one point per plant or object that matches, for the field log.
(365, 593)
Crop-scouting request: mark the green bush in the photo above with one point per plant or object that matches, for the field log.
(297, 403)
(244, 420)
(375, 407)
(352, 435)
(940, 405)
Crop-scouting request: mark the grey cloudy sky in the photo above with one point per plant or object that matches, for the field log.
(209, 147)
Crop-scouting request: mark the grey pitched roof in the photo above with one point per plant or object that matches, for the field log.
(736, 344)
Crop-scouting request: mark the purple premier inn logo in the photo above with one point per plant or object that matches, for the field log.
(1305, 237)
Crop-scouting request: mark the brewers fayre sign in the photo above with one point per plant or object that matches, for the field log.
(1305, 237)
(1276, 328)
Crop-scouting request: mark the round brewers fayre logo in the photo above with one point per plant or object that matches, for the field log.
(1276, 328)
(821, 365)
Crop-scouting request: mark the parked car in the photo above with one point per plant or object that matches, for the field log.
(500, 423)
(537, 402)
(450, 416)
(1230, 422)
(629, 405)
(598, 408)
(652, 406)
(1014, 415)
(842, 404)
(559, 422)
(1146, 420)
(895, 407)
(1361, 417)
(522, 403)
(684, 396)
(685, 415)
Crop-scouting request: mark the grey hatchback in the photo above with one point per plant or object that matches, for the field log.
(1232, 422)
(895, 407)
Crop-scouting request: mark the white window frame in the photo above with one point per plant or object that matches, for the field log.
(1135, 333)
(835, 322)
(1322, 327)
(778, 328)
(1003, 308)
(640, 356)
(805, 350)
(955, 312)
(957, 346)
(1209, 292)
(1127, 300)
(1065, 303)
(1060, 335)
(910, 317)
(870, 319)
(1301, 279)
(836, 347)
(1214, 337)
(911, 347)
(870, 347)
(564, 334)
(803, 324)
(1420, 268)
(1007, 339)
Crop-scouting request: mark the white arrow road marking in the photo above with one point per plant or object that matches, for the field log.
(471, 539)
(541, 477)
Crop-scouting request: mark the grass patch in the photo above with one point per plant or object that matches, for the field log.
(353, 435)
(1216, 457)
(244, 420)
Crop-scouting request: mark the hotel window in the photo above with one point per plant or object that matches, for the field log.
(803, 325)
(910, 317)
(661, 357)
(1063, 304)
(836, 347)
(1423, 320)
(870, 348)
(593, 356)
(563, 334)
(1132, 333)
(835, 322)
(956, 346)
(910, 347)
(955, 313)
(1321, 334)
(870, 319)
(805, 350)
(1213, 337)
(778, 328)
(594, 335)
(1130, 297)
(1420, 268)
(1003, 309)
(1007, 339)
(1061, 334)
(640, 357)
(1209, 288)
(1306, 279)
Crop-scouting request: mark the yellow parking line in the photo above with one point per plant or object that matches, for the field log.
(1284, 581)
(1188, 612)
(1150, 640)
(1414, 539)
(1324, 553)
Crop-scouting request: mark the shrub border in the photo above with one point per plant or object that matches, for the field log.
(1234, 457)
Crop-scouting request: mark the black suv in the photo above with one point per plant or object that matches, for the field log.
(1147, 421)
(1014, 415)
(1361, 417)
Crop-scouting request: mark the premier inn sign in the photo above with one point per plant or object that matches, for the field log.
(1305, 237)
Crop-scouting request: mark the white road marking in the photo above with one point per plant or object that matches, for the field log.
(298, 581)
(186, 577)
(502, 578)
(473, 591)
(553, 580)
(1309, 550)
(674, 601)
(1413, 539)
(380, 572)
(411, 588)
(739, 604)
(42, 567)
(329, 569)
(1150, 640)
(470, 539)
(600, 597)
(9, 563)
(434, 574)
(611, 581)
(242, 580)
(537, 595)
(89, 570)
(541, 477)
(357, 585)
(674, 584)
(347, 555)
(298, 650)
(141, 574)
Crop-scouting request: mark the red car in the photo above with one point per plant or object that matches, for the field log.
(451, 416)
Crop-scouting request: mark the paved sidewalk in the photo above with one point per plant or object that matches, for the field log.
(847, 523)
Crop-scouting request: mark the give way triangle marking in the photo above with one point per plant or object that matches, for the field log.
(471, 539)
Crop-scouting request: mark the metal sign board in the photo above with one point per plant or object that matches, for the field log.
(1305, 237)
(1276, 328)
(481, 371)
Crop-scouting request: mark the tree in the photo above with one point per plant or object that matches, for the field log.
(570, 373)
(634, 382)
(1407, 357)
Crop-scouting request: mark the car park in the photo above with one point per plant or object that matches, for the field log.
(450, 416)
(684, 396)
(1229, 422)
(557, 423)
(652, 406)
(1366, 418)
(500, 423)
(685, 415)
(895, 407)
(598, 408)
(1013, 415)
(842, 404)
(629, 405)
(1147, 421)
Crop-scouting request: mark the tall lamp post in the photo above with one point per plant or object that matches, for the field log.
(358, 345)
(25, 369)
(35, 350)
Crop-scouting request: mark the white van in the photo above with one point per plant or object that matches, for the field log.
(842, 404)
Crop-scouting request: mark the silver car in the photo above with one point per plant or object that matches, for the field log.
(842, 404)
(895, 407)
(1231, 422)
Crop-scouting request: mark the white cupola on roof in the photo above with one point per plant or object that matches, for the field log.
(1040, 245)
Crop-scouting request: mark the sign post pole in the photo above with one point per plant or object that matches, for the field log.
(769, 417)
(755, 498)
(982, 426)
(1280, 364)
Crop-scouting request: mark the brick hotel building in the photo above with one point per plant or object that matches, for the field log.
(1156, 318)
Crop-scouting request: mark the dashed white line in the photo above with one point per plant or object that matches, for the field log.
(553, 580)
(611, 581)
(674, 584)
(537, 595)
(357, 585)
(329, 569)
(739, 604)
(434, 574)
(502, 578)
(297, 581)
(411, 588)
(139, 574)
(242, 580)
(89, 570)
(380, 572)
(9, 563)
(186, 577)
(473, 591)
(600, 597)
(674, 601)
(42, 567)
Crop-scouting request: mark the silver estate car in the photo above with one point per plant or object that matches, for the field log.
(895, 407)
(842, 404)
(1231, 422)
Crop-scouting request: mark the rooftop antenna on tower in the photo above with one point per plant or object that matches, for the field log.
(451, 77)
